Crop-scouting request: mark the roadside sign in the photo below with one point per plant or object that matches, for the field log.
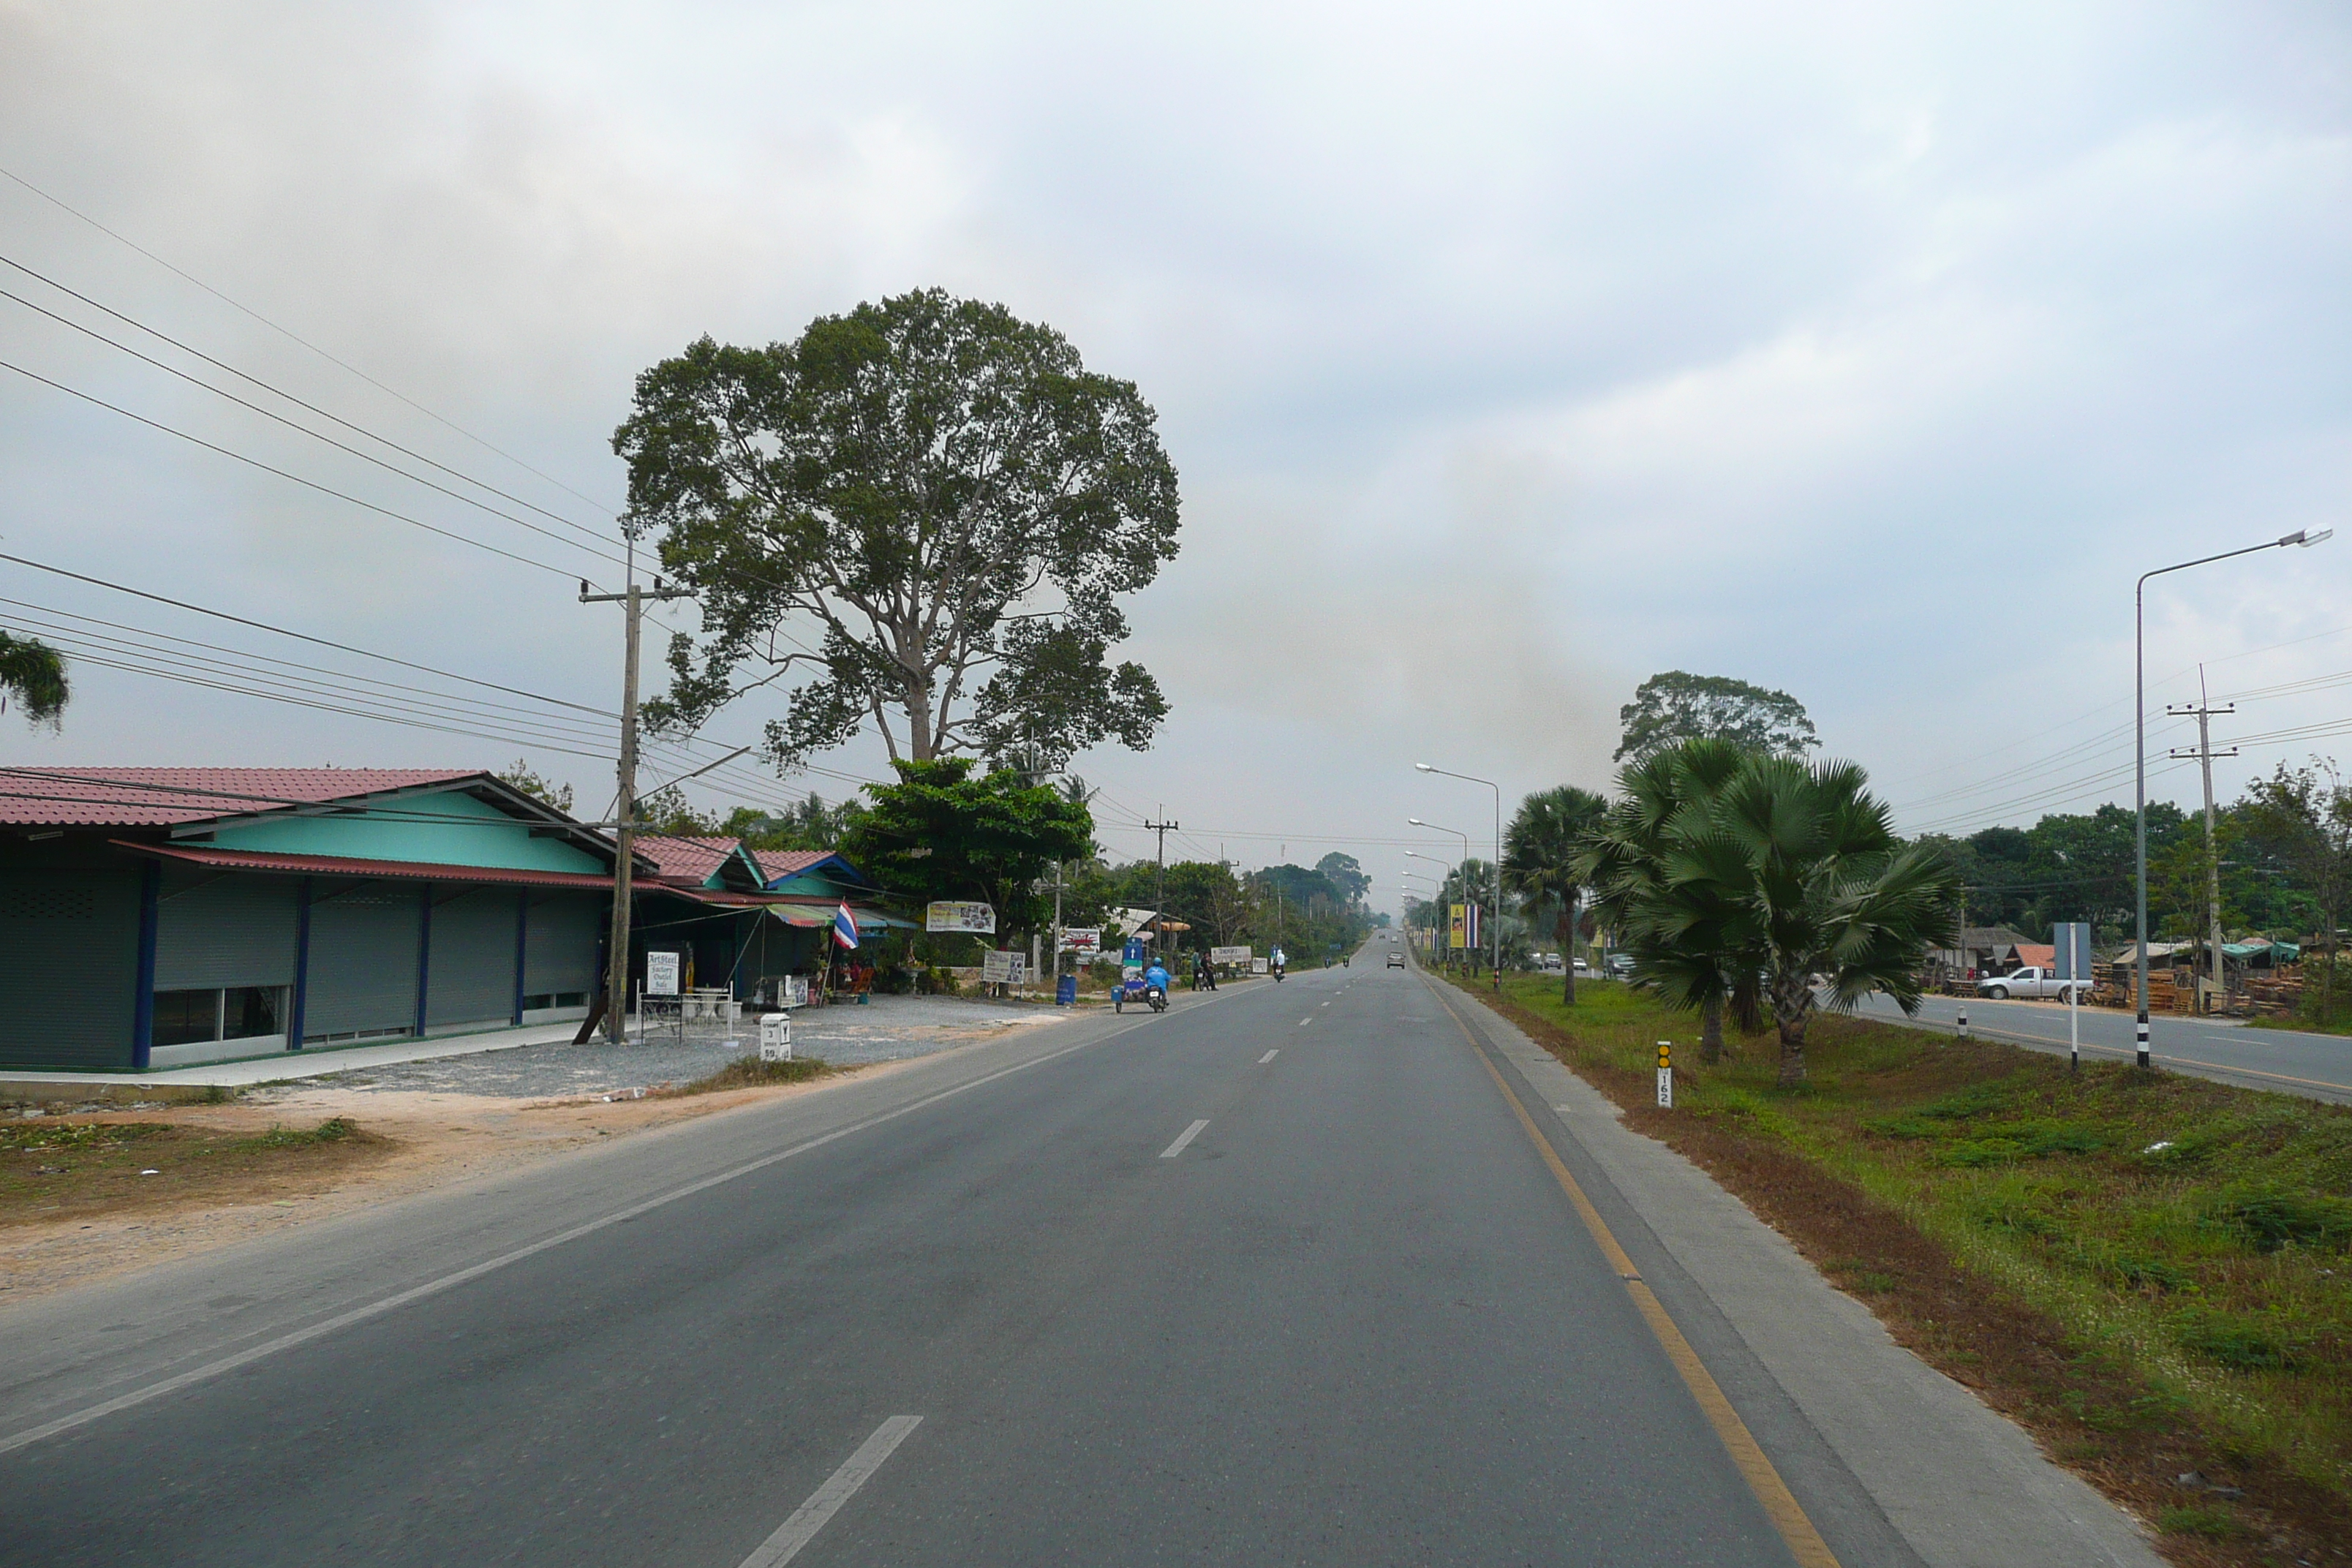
(1082, 938)
(1665, 1076)
(1230, 955)
(1257, 966)
(950, 916)
(661, 974)
(999, 966)
(2072, 940)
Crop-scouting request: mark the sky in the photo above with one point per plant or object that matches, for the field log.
(1508, 354)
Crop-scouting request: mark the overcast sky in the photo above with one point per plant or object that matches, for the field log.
(1508, 354)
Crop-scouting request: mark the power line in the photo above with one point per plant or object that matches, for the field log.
(292, 335)
(258, 463)
(256, 381)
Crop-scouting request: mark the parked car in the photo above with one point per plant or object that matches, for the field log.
(2032, 980)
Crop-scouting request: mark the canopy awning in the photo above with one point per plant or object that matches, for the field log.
(817, 916)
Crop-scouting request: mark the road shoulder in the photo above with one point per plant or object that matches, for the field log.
(1961, 1486)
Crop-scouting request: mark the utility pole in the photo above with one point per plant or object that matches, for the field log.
(1160, 887)
(617, 962)
(2205, 754)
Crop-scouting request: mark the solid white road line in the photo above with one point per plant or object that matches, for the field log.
(1269, 1056)
(826, 1501)
(13, 1441)
(1183, 1137)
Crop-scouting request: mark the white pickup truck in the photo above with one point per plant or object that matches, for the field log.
(2031, 981)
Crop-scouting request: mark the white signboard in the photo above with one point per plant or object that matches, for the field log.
(1228, 955)
(957, 916)
(661, 974)
(795, 991)
(1082, 938)
(998, 967)
(1257, 966)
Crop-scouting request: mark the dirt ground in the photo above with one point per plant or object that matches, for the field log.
(106, 1217)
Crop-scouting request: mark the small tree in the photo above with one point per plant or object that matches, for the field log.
(1540, 849)
(1678, 706)
(547, 791)
(939, 833)
(2303, 815)
(33, 674)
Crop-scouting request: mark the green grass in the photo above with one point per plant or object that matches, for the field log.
(751, 1072)
(2196, 1235)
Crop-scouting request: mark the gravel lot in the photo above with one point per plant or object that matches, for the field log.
(885, 1029)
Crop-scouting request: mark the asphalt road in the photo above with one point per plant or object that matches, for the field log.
(1277, 1277)
(2318, 1067)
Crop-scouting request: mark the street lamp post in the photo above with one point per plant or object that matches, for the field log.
(1498, 871)
(2304, 537)
(1438, 885)
(1457, 833)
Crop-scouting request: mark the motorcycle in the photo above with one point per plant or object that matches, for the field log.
(1155, 998)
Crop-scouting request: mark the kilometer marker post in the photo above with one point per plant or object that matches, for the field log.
(1666, 1077)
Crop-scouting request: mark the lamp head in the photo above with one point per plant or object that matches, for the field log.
(2307, 537)
(1423, 767)
(1416, 822)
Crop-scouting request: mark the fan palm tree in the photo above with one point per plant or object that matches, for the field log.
(1686, 942)
(1539, 851)
(1806, 865)
(33, 673)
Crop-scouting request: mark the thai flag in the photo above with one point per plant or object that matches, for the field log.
(845, 929)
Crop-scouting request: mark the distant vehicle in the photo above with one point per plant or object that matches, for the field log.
(1583, 970)
(2032, 980)
(1396, 958)
(1619, 965)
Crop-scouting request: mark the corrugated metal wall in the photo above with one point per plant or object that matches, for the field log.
(470, 968)
(214, 930)
(69, 964)
(363, 959)
(560, 953)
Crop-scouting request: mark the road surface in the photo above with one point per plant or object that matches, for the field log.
(2318, 1067)
(1294, 1274)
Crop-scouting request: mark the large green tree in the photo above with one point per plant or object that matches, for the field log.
(33, 674)
(941, 833)
(943, 494)
(2304, 818)
(1677, 706)
(1540, 850)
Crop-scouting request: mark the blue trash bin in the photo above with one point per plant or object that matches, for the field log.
(1065, 991)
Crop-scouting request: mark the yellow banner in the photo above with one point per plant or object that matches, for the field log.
(1460, 927)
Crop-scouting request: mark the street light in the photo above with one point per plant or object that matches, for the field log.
(1457, 833)
(2303, 537)
(1490, 784)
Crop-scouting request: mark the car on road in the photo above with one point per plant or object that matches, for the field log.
(2032, 980)
(1396, 958)
(1619, 965)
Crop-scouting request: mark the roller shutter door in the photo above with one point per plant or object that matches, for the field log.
(363, 961)
(69, 964)
(223, 930)
(560, 954)
(470, 967)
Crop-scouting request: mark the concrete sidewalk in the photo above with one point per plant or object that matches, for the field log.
(1962, 1486)
(179, 1082)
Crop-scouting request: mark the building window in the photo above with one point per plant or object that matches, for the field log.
(534, 1004)
(231, 1012)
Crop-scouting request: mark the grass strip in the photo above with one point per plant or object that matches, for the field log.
(53, 1170)
(2151, 1273)
(751, 1072)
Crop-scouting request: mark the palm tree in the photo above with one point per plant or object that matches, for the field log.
(1684, 940)
(1539, 850)
(1806, 864)
(33, 673)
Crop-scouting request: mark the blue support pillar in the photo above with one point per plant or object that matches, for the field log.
(523, 938)
(299, 1005)
(143, 1002)
(423, 952)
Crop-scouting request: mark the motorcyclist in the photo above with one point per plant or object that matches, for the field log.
(1155, 975)
(1278, 964)
(1207, 973)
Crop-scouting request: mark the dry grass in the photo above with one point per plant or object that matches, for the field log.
(57, 1169)
(2150, 1272)
(751, 1072)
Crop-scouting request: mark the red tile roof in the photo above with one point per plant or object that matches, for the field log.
(165, 797)
(678, 857)
(342, 866)
(788, 862)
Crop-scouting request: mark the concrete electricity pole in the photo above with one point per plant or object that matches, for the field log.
(617, 962)
(1160, 887)
(2205, 754)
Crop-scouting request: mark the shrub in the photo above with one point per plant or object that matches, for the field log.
(2272, 1217)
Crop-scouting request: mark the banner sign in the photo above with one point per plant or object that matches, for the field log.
(1229, 954)
(1082, 938)
(1458, 926)
(979, 919)
(999, 967)
(661, 974)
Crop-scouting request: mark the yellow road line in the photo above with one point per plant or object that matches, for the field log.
(1780, 1505)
